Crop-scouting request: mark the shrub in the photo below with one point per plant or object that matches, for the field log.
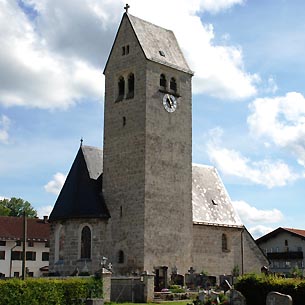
(48, 291)
(256, 287)
(176, 289)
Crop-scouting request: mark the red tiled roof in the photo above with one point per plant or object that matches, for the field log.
(296, 231)
(12, 228)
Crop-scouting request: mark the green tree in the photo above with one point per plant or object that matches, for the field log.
(15, 207)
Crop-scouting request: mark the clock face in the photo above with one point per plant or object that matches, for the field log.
(169, 102)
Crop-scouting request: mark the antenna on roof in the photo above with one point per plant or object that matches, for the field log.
(126, 8)
(81, 142)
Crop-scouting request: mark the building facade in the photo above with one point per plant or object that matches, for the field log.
(11, 246)
(140, 202)
(285, 248)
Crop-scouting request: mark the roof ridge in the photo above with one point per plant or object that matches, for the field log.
(148, 22)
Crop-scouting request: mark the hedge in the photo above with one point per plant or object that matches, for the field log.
(256, 287)
(48, 291)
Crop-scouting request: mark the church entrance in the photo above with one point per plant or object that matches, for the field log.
(160, 278)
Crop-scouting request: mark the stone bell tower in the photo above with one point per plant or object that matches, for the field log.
(147, 162)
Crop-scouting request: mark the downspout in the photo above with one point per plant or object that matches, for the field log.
(242, 250)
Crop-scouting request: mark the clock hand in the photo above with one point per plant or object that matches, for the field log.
(170, 102)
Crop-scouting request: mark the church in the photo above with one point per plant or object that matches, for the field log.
(139, 201)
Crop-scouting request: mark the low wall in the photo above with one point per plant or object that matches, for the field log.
(132, 289)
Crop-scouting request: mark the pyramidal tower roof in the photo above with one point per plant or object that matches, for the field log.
(158, 44)
(81, 195)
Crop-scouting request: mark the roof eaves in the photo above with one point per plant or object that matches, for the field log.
(217, 224)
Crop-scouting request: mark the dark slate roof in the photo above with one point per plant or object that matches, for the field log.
(155, 41)
(81, 195)
(274, 233)
(211, 202)
(11, 228)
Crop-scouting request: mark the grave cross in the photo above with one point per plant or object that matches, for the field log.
(126, 7)
(192, 270)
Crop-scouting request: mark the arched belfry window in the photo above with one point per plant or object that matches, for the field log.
(224, 242)
(85, 250)
(130, 86)
(121, 257)
(163, 81)
(121, 88)
(173, 84)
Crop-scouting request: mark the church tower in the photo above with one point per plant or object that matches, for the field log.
(147, 158)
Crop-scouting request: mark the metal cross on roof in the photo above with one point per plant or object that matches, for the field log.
(126, 7)
(81, 142)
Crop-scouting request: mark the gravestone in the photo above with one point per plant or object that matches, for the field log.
(201, 296)
(235, 297)
(276, 298)
(190, 278)
(223, 280)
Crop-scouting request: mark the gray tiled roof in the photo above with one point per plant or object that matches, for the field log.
(211, 202)
(94, 160)
(154, 39)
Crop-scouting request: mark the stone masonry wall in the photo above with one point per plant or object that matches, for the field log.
(71, 246)
(209, 256)
(168, 173)
(124, 153)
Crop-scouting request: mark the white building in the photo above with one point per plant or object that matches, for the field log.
(284, 248)
(11, 246)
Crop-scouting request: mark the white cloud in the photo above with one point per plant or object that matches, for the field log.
(219, 5)
(54, 58)
(44, 211)
(231, 162)
(280, 120)
(32, 72)
(260, 230)
(54, 186)
(219, 69)
(4, 128)
(250, 214)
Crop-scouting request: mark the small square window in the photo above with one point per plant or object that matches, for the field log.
(30, 243)
(45, 256)
(123, 50)
(17, 255)
(31, 256)
(2, 243)
(18, 243)
(2, 255)
(16, 274)
(47, 244)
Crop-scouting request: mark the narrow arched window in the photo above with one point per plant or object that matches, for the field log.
(121, 257)
(121, 88)
(130, 86)
(173, 84)
(163, 81)
(224, 241)
(85, 243)
(61, 243)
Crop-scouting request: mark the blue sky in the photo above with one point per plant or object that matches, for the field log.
(248, 95)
